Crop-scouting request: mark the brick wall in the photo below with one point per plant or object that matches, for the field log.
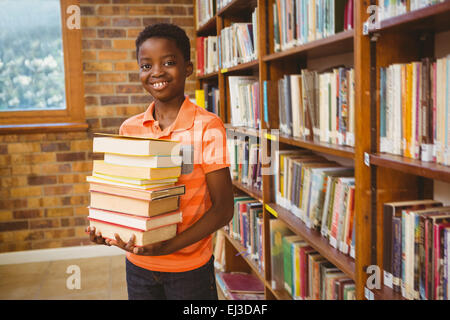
(43, 193)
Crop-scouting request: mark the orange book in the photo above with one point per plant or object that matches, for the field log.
(134, 206)
(142, 238)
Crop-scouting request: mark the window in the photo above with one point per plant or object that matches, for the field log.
(40, 65)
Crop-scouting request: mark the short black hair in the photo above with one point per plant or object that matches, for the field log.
(168, 31)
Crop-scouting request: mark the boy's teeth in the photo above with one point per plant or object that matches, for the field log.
(159, 84)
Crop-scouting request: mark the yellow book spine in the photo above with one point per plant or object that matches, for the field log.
(200, 98)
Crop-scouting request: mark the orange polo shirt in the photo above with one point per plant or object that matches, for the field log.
(203, 133)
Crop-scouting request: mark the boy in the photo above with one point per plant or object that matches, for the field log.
(182, 267)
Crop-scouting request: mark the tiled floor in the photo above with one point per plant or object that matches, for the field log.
(48, 276)
(101, 278)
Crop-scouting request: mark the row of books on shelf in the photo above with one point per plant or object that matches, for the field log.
(238, 43)
(414, 109)
(416, 249)
(392, 8)
(303, 272)
(313, 105)
(244, 101)
(298, 22)
(207, 55)
(320, 193)
(245, 161)
(208, 98)
(246, 227)
(133, 192)
(206, 10)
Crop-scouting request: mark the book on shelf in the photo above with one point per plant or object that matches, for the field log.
(414, 108)
(206, 9)
(135, 221)
(305, 274)
(200, 98)
(245, 161)
(142, 238)
(137, 146)
(209, 98)
(278, 230)
(416, 250)
(207, 53)
(240, 286)
(238, 43)
(299, 22)
(320, 106)
(244, 101)
(389, 9)
(319, 192)
(246, 228)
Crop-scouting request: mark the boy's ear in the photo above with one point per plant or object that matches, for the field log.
(189, 69)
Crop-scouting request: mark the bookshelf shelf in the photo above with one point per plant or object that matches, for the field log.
(257, 194)
(337, 150)
(243, 130)
(208, 28)
(241, 67)
(237, 7)
(341, 42)
(433, 18)
(315, 239)
(209, 76)
(412, 166)
(240, 249)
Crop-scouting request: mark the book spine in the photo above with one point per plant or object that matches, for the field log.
(388, 213)
(396, 253)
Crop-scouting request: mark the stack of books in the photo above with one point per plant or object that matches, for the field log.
(133, 189)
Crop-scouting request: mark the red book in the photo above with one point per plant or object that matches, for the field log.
(438, 259)
(200, 55)
(242, 283)
(304, 271)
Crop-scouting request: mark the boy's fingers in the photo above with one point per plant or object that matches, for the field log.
(119, 241)
(138, 250)
(130, 243)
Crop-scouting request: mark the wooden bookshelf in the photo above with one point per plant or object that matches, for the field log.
(387, 178)
(412, 166)
(241, 67)
(341, 42)
(255, 193)
(328, 148)
(208, 27)
(433, 18)
(208, 76)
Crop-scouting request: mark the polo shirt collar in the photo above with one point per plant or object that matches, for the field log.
(184, 120)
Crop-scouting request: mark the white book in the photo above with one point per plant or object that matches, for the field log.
(132, 181)
(107, 180)
(143, 161)
(333, 132)
(295, 103)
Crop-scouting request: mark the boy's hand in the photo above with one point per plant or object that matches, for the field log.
(154, 249)
(96, 237)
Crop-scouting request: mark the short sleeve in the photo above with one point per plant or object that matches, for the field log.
(214, 147)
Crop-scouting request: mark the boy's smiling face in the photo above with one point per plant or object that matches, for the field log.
(163, 70)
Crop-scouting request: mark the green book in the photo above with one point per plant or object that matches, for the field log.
(288, 242)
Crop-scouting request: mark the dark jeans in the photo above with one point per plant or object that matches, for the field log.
(197, 284)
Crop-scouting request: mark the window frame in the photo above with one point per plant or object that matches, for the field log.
(73, 117)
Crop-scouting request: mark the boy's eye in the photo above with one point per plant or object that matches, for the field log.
(145, 67)
(169, 63)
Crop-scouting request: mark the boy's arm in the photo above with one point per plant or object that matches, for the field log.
(221, 193)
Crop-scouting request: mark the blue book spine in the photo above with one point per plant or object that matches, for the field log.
(382, 102)
(266, 102)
